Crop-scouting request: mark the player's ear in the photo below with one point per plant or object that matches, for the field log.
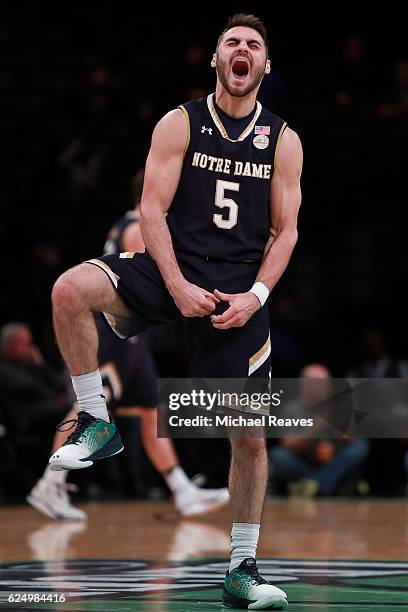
(214, 60)
(268, 66)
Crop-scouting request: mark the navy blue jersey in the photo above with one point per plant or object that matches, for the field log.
(114, 239)
(221, 208)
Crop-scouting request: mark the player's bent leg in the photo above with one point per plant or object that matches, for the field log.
(50, 495)
(243, 586)
(77, 296)
(189, 499)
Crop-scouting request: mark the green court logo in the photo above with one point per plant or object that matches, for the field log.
(310, 584)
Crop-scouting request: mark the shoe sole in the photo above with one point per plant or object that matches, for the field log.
(40, 505)
(111, 448)
(58, 465)
(270, 602)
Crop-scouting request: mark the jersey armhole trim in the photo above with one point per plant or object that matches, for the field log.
(283, 128)
(181, 107)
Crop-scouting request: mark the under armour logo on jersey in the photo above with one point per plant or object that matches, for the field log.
(205, 129)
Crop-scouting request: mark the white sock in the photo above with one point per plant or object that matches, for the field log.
(57, 477)
(177, 480)
(89, 391)
(244, 540)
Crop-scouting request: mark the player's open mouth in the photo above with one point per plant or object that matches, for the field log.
(240, 68)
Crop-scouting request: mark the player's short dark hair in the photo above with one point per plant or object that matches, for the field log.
(249, 21)
(136, 186)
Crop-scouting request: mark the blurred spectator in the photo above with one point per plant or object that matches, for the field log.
(384, 477)
(353, 85)
(316, 466)
(377, 362)
(196, 75)
(83, 165)
(34, 396)
(17, 346)
(396, 104)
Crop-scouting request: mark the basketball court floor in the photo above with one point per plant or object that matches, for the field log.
(132, 556)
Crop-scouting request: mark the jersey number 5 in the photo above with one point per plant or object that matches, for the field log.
(223, 202)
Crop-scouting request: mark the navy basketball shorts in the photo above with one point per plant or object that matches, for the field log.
(128, 370)
(238, 352)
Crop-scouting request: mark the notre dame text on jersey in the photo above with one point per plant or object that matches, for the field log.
(221, 207)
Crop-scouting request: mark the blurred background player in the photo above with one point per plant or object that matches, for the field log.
(129, 380)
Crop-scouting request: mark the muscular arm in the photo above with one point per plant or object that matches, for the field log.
(162, 175)
(284, 207)
(285, 197)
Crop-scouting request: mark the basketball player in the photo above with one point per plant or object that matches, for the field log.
(129, 384)
(218, 217)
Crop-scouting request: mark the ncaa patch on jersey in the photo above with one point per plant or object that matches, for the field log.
(261, 141)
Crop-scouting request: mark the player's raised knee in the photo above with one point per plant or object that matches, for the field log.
(68, 291)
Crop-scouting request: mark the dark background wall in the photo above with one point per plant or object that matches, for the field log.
(82, 85)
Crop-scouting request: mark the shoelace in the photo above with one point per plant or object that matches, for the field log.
(83, 420)
(254, 573)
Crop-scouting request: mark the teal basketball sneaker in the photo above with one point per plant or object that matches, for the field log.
(92, 439)
(244, 588)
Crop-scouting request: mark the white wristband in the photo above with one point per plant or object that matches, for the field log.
(261, 291)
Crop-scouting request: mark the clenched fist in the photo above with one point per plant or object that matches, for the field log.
(241, 308)
(193, 301)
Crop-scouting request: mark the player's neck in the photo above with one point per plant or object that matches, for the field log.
(234, 106)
